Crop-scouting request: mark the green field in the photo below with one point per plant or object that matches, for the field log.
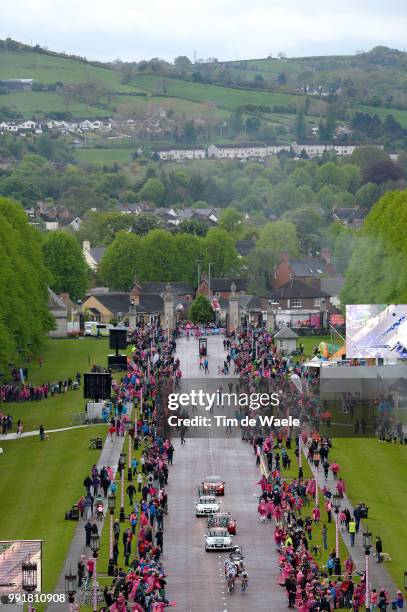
(222, 96)
(50, 69)
(40, 102)
(399, 115)
(100, 157)
(62, 359)
(375, 473)
(127, 106)
(40, 481)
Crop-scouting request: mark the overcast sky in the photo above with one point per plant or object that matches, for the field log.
(226, 29)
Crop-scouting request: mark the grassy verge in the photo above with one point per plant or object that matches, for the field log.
(39, 482)
(61, 360)
(375, 473)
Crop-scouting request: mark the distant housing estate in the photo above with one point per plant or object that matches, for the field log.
(253, 150)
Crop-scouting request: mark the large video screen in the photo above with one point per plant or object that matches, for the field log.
(376, 330)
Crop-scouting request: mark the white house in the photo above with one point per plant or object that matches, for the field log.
(27, 125)
(92, 256)
(181, 153)
(237, 151)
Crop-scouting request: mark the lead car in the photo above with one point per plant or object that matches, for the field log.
(218, 538)
(206, 504)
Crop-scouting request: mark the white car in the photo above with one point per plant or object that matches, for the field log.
(218, 538)
(206, 504)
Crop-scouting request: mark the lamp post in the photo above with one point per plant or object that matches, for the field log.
(336, 503)
(129, 470)
(70, 588)
(95, 546)
(122, 462)
(367, 545)
(29, 579)
(317, 459)
(111, 504)
(300, 470)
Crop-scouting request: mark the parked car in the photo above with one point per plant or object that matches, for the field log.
(222, 519)
(214, 484)
(206, 504)
(218, 538)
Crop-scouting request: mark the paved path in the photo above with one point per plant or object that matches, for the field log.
(195, 577)
(28, 434)
(108, 457)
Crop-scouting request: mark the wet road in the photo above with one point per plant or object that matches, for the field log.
(195, 577)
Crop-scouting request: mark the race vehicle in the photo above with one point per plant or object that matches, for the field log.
(218, 538)
(206, 504)
(213, 484)
(222, 519)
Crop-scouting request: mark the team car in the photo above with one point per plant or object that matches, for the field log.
(222, 519)
(218, 538)
(206, 504)
(214, 484)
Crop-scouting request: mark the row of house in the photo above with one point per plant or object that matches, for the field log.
(54, 125)
(253, 150)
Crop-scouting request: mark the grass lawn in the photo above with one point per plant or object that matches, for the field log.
(39, 482)
(310, 342)
(221, 96)
(375, 473)
(39, 102)
(50, 69)
(62, 359)
(101, 157)
(399, 115)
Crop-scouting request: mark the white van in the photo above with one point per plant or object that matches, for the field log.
(93, 328)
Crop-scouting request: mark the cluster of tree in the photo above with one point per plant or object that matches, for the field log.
(371, 127)
(68, 271)
(50, 146)
(24, 315)
(201, 310)
(162, 256)
(377, 272)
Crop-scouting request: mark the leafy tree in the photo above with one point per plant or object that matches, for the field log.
(219, 249)
(121, 262)
(363, 156)
(193, 226)
(64, 259)
(367, 195)
(300, 127)
(100, 228)
(273, 238)
(153, 191)
(341, 240)
(24, 315)
(144, 223)
(201, 310)
(310, 226)
(377, 272)
(382, 171)
(231, 221)
(188, 249)
(78, 200)
(159, 257)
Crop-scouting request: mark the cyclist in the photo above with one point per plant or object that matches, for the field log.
(244, 580)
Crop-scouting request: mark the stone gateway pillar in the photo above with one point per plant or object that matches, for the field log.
(233, 318)
(168, 309)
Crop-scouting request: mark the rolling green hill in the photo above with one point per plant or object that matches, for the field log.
(268, 90)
